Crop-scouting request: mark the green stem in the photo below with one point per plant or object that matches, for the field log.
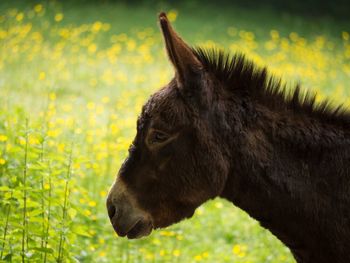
(44, 241)
(25, 193)
(65, 204)
(48, 217)
(6, 227)
(41, 158)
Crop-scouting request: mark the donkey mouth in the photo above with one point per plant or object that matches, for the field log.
(139, 229)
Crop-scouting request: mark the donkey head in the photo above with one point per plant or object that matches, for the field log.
(175, 163)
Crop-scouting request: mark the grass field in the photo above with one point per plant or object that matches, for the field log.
(73, 79)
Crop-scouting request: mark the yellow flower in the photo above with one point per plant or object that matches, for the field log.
(176, 253)
(92, 203)
(3, 34)
(2, 161)
(90, 106)
(51, 143)
(114, 128)
(172, 15)
(103, 193)
(198, 258)
(58, 17)
(67, 107)
(149, 256)
(99, 109)
(22, 141)
(42, 75)
(78, 131)
(92, 48)
(53, 133)
(293, 36)
(97, 26)
(200, 211)
(3, 138)
(105, 100)
(60, 147)
(19, 17)
(282, 258)
(34, 141)
(130, 45)
(236, 249)
(108, 77)
(218, 204)
(274, 34)
(87, 212)
(38, 8)
(239, 250)
(167, 233)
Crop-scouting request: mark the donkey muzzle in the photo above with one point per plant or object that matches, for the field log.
(126, 217)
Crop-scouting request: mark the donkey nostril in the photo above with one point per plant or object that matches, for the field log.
(111, 209)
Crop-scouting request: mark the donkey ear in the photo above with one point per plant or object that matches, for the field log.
(186, 64)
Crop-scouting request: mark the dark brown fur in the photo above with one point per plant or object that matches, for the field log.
(223, 127)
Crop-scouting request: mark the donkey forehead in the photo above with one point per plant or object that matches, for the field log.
(165, 106)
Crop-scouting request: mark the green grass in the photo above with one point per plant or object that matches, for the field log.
(73, 79)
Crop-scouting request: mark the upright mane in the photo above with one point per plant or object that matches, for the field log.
(245, 77)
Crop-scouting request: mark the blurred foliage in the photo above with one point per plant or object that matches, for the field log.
(339, 9)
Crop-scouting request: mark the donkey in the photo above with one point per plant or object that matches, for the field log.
(225, 128)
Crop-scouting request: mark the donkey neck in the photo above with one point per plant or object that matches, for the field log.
(288, 170)
(289, 157)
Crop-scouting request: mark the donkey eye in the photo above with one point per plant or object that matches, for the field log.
(158, 137)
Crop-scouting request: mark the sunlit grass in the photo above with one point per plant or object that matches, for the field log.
(70, 93)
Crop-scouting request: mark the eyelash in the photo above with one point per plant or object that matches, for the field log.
(158, 137)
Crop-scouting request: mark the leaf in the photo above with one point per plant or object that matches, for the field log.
(8, 257)
(5, 189)
(8, 195)
(36, 167)
(22, 188)
(73, 259)
(81, 231)
(36, 219)
(29, 204)
(18, 227)
(43, 249)
(35, 212)
(72, 213)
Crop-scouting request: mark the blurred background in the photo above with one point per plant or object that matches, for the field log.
(73, 78)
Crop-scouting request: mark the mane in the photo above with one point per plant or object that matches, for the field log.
(243, 76)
